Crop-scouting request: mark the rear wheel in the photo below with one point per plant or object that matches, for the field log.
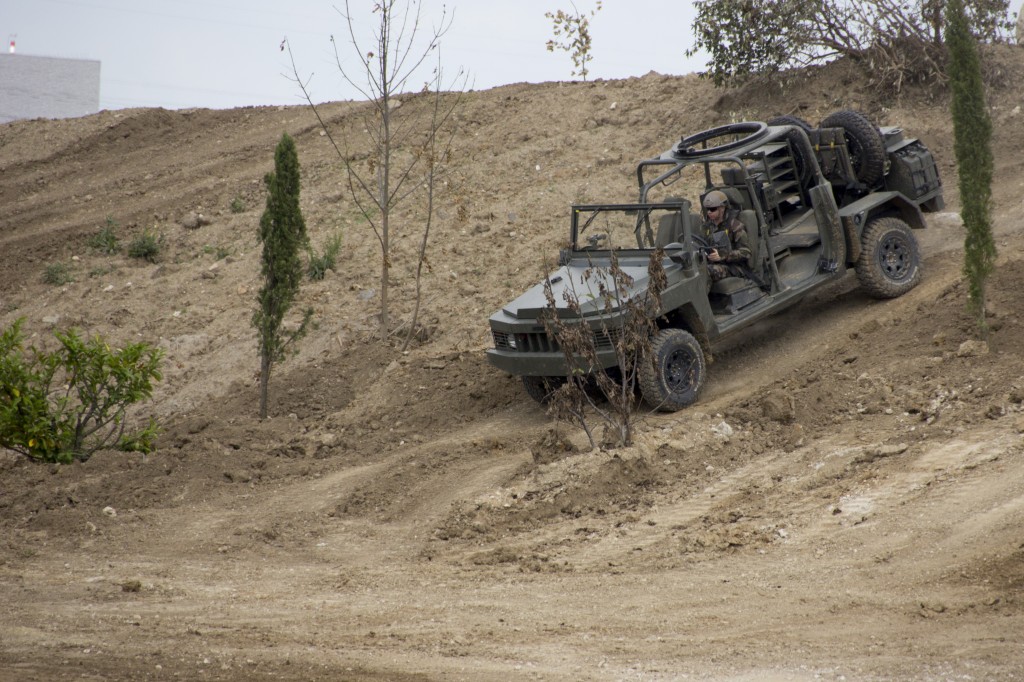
(541, 388)
(867, 149)
(890, 261)
(672, 377)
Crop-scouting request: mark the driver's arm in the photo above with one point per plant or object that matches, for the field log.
(740, 252)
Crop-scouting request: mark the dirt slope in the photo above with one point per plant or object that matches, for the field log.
(846, 502)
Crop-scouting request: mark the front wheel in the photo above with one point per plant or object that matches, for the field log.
(673, 375)
(890, 261)
(541, 388)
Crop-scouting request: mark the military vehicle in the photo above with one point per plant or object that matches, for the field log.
(815, 202)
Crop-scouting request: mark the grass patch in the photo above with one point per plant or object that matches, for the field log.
(106, 240)
(100, 271)
(58, 274)
(146, 246)
(218, 252)
(319, 264)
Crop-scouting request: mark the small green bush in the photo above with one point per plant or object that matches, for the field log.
(106, 240)
(58, 274)
(237, 205)
(320, 264)
(66, 404)
(146, 246)
(143, 441)
(100, 271)
(218, 252)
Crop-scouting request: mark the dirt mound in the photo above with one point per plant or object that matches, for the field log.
(845, 501)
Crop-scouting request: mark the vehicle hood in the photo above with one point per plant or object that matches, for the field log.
(580, 282)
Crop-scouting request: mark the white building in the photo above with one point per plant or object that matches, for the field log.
(47, 87)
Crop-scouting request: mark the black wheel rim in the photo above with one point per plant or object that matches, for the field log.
(856, 154)
(895, 257)
(680, 369)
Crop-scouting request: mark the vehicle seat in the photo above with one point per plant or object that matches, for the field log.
(670, 229)
(749, 220)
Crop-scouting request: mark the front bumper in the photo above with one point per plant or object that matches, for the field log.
(536, 354)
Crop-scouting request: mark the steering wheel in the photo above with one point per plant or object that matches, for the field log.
(702, 246)
(700, 242)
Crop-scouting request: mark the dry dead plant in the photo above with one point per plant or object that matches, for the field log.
(590, 391)
(408, 151)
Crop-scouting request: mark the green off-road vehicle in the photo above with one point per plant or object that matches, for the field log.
(815, 202)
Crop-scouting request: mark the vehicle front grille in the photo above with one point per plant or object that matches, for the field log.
(604, 339)
(539, 342)
(533, 342)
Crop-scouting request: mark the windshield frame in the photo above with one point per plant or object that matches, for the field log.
(644, 217)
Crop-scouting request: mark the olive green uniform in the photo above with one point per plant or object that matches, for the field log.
(736, 261)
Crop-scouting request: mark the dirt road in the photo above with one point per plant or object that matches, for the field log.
(845, 503)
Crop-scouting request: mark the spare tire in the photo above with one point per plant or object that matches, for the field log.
(863, 139)
(788, 120)
(801, 152)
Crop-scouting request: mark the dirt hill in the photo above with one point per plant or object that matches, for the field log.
(845, 502)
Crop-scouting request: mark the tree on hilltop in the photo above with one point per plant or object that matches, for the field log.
(897, 42)
(409, 149)
(572, 35)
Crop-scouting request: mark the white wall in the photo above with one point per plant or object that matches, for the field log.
(47, 87)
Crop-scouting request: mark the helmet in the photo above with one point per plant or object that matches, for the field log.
(715, 198)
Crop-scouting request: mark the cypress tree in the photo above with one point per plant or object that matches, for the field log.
(283, 234)
(972, 131)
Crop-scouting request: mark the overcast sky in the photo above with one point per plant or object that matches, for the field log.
(225, 53)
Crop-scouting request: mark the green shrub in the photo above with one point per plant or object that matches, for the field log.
(106, 241)
(64, 405)
(972, 136)
(100, 271)
(282, 233)
(58, 274)
(143, 441)
(320, 264)
(146, 246)
(237, 205)
(218, 252)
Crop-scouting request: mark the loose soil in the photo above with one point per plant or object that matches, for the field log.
(845, 502)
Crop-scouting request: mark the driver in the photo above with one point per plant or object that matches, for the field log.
(735, 262)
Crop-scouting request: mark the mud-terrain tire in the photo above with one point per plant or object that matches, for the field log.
(672, 376)
(750, 130)
(802, 153)
(867, 148)
(890, 260)
(541, 388)
(790, 120)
